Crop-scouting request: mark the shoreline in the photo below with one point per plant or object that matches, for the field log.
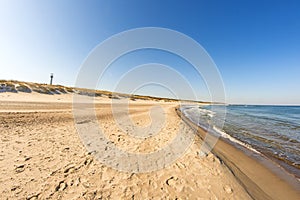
(291, 166)
(248, 167)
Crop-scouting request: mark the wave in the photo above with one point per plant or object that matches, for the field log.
(191, 111)
(271, 136)
(234, 140)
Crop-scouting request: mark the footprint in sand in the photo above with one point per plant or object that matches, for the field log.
(20, 168)
(61, 186)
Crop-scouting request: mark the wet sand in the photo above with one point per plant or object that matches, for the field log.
(42, 156)
(261, 177)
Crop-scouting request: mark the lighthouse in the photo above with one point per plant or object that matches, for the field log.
(51, 78)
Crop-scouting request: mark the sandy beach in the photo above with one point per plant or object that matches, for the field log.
(50, 150)
(42, 156)
(149, 100)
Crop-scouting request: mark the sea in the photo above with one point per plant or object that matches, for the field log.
(273, 131)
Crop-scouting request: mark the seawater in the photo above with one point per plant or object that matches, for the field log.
(270, 130)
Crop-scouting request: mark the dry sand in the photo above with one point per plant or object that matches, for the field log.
(42, 156)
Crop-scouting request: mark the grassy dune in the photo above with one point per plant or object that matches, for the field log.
(28, 87)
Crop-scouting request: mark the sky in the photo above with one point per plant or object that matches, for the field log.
(254, 44)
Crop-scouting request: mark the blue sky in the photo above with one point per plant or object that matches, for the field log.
(255, 44)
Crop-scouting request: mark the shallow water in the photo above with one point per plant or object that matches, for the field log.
(271, 130)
